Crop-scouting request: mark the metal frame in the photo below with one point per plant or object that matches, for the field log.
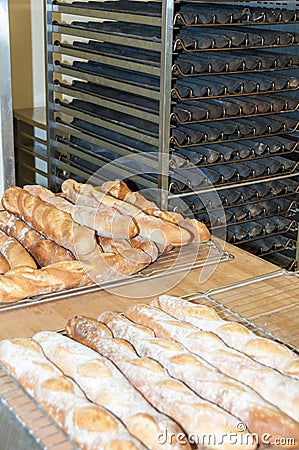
(179, 260)
(6, 115)
(62, 153)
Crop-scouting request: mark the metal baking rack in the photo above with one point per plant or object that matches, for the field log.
(179, 260)
(23, 423)
(267, 305)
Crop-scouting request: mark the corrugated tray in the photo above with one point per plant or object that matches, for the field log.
(268, 305)
(178, 260)
(24, 424)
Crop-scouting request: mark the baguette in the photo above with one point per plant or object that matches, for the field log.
(153, 228)
(120, 190)
(90, 426)
(147, 246)
(235, 335)
(170, 396)
(4, 266)
(23, 282)
(15, 254)
(276, 388)
(50, 221)
(124, 248)
(107, 221)
(259, 416)
(44, 251)
(105, 385)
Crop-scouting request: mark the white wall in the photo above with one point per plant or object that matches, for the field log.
(27, 52)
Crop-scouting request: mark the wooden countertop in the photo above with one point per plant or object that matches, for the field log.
(24, 322)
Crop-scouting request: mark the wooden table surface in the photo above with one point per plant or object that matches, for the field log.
(25, 321)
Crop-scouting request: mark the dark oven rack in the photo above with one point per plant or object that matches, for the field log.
(206, 97)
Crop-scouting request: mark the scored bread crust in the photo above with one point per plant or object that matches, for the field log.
(235, 335)
(168, 395)
(92, 427)
(260, 416)
(43, 250)
(120, 190)
(107, 221)
(281, 390)
(153, 228)
(15, 254)
(50, 221)
(105, 385)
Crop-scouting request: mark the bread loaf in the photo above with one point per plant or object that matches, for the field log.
(120, 190)
(124, 248)
(90, 426)
(233, 334)
(259, 416)
(50, 221)
(15, 254)
(146, 245)
(105, 385)
(276, 388)
(107, 221)
(23, 282)
(44, 251)
(196, 416)
(4, 266)
(153, 228)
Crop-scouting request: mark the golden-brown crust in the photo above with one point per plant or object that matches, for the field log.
(48, 220)
(107, 221)
(4, 266)
(43, 250)
(120, 190)
(25, 281)
(15, 254)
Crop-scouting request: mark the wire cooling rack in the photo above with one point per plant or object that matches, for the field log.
(179, 260)
(24, 424)
(268, 305)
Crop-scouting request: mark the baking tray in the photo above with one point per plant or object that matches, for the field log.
(268, 305)
(175, 261)
(23, 423)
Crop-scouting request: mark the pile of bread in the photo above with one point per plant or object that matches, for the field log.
(169, 375)
(83, 235)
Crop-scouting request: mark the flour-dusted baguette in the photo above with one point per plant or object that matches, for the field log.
(4, 266)
(106, 386)
(276, 388)
(146, 245)
(197, 417)
(23, 282)
(107, 221)
(124, 248)
(90, 426)
(120, 190)
(43, 250)
(259, 416)
(233, 334)
(153, 228)
(50, 221)
(15, 253)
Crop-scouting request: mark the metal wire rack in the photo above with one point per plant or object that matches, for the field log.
(268, 305)
(175, 261)
(25, 423)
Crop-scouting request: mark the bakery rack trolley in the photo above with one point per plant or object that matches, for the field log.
(7, 170)
(206, 97)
